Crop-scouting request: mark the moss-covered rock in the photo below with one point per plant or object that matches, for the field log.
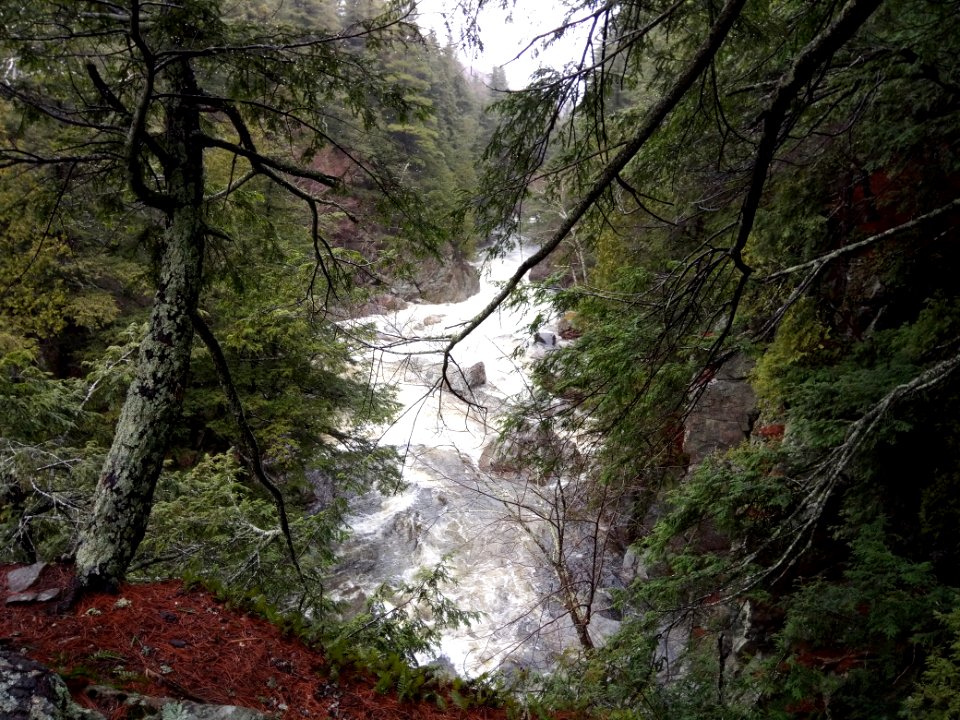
(28, 691)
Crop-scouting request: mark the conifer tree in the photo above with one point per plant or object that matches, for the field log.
(142, 97)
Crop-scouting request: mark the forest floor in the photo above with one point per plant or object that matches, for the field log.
(165, 640)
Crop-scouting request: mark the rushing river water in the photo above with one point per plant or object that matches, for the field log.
(450, 508)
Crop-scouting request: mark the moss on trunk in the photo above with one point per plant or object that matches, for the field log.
(125, 489)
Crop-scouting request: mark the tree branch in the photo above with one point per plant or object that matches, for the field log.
(818, 262)
(260, 161)
(248, 439)
(815, 55)
(651, 124)
(827, 473)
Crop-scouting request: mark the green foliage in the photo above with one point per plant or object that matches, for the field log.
(407, 620)
(827, 387)
(850, 643)
(44, 283)
(83, 254)
(937, 694)
(50, 449)
(32, 403)
(802, 575)
(398, 627)
(207, 523)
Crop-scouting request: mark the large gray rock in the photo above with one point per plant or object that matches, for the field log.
(21, 579)
(567, 326)
(28, 691)
(170, 709)
(452, 280)
(535, 452)
(543, 336)
(724, 413)
(464, 379)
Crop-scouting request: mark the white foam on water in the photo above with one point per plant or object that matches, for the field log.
(440, 514)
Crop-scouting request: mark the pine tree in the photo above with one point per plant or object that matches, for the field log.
(146, 97)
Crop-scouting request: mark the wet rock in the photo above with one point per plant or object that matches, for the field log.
(545, 337)
(464, 380)
(467, 378)
(22, 578)
(632, 567)
(406, 529)
(567, 326)
(431, 320)
(383, 304)
(447, 464)
(556, 270)
(755, 624)
(535, 451)
(28, 691)
(324, 490)
(610, 613)
(602, 625)
(435, 281)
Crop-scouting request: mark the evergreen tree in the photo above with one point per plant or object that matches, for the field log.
(747, 179)
(143, 98)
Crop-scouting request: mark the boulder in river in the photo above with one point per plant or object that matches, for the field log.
(535, 451)
(465, 380)
(567, 326)
(545, 337)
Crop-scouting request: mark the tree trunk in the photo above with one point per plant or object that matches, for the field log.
(579, 614)
(125, 489)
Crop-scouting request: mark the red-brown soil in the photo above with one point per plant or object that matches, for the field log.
(163, 640)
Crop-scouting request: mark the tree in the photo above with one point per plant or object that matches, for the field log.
(738, 176)
(139, 98)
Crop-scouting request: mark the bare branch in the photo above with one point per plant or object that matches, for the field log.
(827, 474)
(651, 124)
(813, 57)
(817, 263)
(260, 161)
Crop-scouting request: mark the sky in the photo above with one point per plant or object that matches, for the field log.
(504, 34)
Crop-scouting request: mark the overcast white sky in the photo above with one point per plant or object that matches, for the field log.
(503, 39)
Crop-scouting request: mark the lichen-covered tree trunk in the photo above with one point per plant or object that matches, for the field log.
(125, 489)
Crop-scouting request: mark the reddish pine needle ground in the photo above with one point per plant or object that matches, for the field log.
(162, 640)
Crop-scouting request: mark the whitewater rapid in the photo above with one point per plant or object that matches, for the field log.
(449, 509)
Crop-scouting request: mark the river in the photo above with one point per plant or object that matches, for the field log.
(450, 508)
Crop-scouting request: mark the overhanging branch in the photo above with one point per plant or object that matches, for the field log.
(654, 119)
(818, 262)
(248, 439)
(812, 58)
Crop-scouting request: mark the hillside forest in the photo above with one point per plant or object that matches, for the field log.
(744, 219)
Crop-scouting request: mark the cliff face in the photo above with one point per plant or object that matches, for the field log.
(724, 413)
(822, 523)
(440, 281)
